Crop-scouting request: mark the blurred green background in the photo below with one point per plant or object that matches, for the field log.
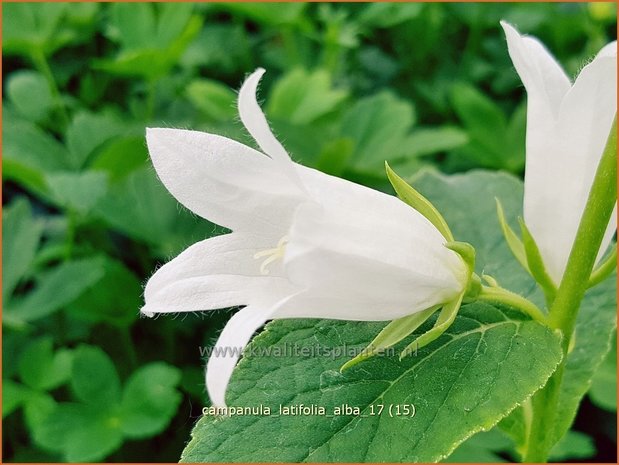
(86, 221)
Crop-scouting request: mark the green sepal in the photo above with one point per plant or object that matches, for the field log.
(537, 269)
(411, 197)
(490, 280)
(391, 334)
(465, 250)
(605, 269)
(443, 322)
(513, 241)
(467, 253)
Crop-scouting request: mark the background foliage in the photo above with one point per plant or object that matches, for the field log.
(86, 221)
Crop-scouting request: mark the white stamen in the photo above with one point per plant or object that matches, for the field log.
(272, 255)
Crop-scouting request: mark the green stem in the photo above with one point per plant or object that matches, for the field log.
(503, 296)
(41, 64)
(574, 284)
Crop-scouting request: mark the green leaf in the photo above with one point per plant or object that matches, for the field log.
(138, 205)
(171, 22)
(121, 156)
(603, 392)
(81, 433)
(30, 94)
(413, 198)
(380, 126)
(334, 156)
(386, 15)
(264, 13)
(77, 191)
(483, 447)
(94, 378)
(301, 97)
(485, 123)
(214, 99)
(135, 24)
(487, 362)
(28, 145)
(88, 131)
(13, 395)
(41, 368)
(574, 445)
(114, 300)
(430, 140)
(150, 400)
(21, 236)
(72, 277)
(29, 28)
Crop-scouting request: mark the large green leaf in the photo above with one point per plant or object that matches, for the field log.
(487, 362)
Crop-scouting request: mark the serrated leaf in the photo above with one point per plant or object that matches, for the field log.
(150, 400)
(487, 362)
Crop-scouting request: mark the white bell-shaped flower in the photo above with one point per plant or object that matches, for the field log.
(303, 243)
(567, 128)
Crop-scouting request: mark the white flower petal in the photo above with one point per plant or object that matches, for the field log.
(562, 159)
(347, 277)
(254, 120)
(222, 180)
(231, 342)
(215, 273)
(539, 71)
